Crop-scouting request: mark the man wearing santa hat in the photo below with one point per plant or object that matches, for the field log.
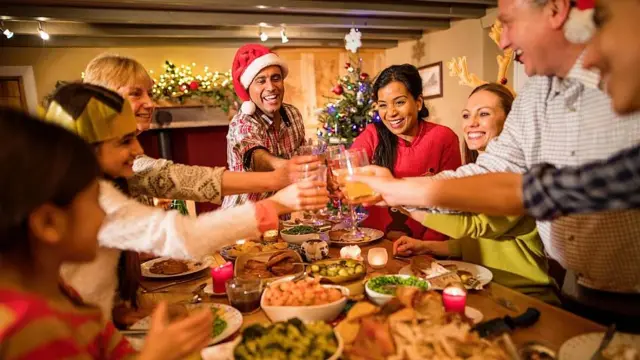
(265, 132)
(562, 117)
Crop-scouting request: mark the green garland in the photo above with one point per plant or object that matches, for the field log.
(179, 84)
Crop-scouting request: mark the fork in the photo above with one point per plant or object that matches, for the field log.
(608, 336)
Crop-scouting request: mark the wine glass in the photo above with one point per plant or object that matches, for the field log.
(351, 162)
(333, 154)
(314, 172)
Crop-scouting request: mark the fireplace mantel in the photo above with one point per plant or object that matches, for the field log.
(170, 117)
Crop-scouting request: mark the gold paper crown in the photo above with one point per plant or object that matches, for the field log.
(458, 66)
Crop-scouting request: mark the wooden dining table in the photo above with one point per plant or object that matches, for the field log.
(554, 327)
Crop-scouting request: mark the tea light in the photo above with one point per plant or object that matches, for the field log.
(454, 299)
(220, 275)
(241, 242)
(377, 257)
(351, 252)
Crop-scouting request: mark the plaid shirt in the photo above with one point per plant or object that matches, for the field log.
(613, 184)
(570, 122)
(248, 133)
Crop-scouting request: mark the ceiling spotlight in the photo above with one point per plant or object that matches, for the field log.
(43, 34)
(263, 35)
(8, 33)
(283, 35)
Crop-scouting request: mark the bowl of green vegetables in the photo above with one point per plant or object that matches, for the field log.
(299, 234)
(381, 289)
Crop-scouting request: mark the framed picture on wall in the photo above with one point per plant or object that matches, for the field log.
(431, 80)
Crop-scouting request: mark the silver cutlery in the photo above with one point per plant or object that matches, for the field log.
(608, 336)
(170, 285)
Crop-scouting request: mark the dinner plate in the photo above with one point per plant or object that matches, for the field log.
(194, 267)
(373, 235)
(224, 252)
(481, 273)
(229, 314)
(584, 346)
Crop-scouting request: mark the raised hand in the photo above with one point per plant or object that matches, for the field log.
(177, 340)
(302, 196)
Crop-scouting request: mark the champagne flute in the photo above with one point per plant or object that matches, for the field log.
(333, 154)
(351, 162)
(314, 172)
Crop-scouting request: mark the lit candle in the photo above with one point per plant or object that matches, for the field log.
(240, 242)
(351, 252)
(220, 275)
(454, 299)
(377, 257)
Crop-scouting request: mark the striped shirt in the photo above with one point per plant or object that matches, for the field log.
(612, 184)
(248, 133)
(569, 122)
(34, 328)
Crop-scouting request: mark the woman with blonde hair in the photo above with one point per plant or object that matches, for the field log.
(162, 178)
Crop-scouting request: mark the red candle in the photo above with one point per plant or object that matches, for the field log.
(220, 275)
(454, 299)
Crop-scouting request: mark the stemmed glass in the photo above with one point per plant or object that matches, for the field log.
(314, 172)
(351, 162)
(333, 154)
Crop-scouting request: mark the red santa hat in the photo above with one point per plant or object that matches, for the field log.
(250, 59)
(580, 27)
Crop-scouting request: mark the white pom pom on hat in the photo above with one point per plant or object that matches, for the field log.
(248, 107)
(580, 27)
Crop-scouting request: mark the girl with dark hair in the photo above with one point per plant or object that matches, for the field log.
(105, 120)
(50, 214)
(406, 144)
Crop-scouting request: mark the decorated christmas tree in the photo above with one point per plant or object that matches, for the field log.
(344, 116)
(178, 84)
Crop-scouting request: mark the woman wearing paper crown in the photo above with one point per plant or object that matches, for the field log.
(265, 133)
(105, 120)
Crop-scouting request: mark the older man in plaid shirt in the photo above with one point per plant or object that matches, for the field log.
(265, 133)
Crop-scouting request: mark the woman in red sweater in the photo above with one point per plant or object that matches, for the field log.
(406, 144)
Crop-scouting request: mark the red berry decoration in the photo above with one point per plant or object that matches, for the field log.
(194, 85)
(347, 65)
(338, 89)
(503, 81)
(364, 76)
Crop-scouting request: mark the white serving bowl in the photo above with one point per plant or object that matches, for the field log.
(379, 298)
(324, 312)
(299, 239)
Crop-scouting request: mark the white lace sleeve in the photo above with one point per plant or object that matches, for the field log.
(130, 225)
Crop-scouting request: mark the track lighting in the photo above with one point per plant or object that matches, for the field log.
(8, 33)
(43, 34)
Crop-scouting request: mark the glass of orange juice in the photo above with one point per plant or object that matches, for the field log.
(352, 162)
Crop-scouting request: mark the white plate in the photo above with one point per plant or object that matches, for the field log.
(194, 267)
(232, 316)
(583, 346)
(474, 314)
(373, 235)
(481, 273)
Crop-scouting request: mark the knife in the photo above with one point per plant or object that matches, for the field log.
(507, 324)
(604, 343)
